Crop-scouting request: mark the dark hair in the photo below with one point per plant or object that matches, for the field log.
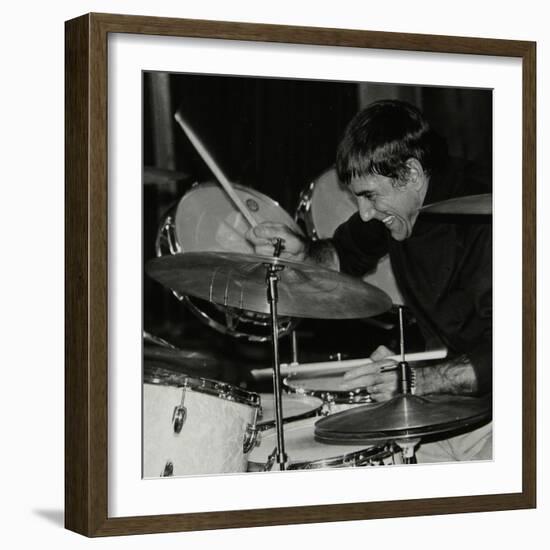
(382, 137)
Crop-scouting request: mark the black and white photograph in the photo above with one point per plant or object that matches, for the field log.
(274, 275)
(317, 274)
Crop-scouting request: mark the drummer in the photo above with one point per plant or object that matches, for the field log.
(393, 163)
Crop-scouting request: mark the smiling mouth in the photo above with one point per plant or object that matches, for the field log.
(388, 220)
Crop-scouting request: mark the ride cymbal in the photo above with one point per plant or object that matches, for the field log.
(471, 204)
(239, 281)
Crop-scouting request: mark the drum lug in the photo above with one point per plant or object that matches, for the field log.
(328, 404)
(179, 415)
(178, 418)
(168, 469)
(252, 438)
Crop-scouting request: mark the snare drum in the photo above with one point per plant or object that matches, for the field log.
(205, 219)
(304, 453)
(195, 426)
(327, 388)
(323, 206)
(295, 407)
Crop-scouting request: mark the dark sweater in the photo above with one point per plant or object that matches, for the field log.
(443, 270)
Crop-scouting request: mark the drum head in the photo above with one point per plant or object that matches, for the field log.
(331, 204)
(294, 407)
(300, 446)
(207, 219)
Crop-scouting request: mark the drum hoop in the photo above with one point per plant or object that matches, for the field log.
(348, 460)
(222, 390)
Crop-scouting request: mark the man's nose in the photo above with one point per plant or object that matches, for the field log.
(366, 209)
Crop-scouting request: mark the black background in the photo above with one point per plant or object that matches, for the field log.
(275, 136)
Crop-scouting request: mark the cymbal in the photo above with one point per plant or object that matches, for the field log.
(184, 356)
(239, 281)
(187, 361)
(405, 416)
(153, 340)
(471, 204)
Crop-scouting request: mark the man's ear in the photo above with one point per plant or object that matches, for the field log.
(416, 177)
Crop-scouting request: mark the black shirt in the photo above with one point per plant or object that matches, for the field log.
(443, 270)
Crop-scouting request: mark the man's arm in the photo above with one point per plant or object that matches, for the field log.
(296, 247)
(456, 376)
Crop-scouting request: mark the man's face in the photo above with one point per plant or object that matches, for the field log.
(395, 206)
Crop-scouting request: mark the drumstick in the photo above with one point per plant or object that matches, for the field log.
(216, 170)
(334, 367)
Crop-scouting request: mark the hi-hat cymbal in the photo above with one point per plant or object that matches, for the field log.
(239, 281)
(404, 416)
(471, 204)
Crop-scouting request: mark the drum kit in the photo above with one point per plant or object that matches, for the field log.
(194, 425)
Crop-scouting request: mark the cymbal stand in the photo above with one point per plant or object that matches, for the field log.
(272, 278)
(294, 347)
(405, 378)
(407, 446)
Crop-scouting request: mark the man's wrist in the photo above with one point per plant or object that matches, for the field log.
(456, 377)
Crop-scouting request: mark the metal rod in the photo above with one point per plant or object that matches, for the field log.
(404, 377)
(401, 334)
(294, 347)
(272, 280)
(405, 369)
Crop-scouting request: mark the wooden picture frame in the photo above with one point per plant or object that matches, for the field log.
(86, 418)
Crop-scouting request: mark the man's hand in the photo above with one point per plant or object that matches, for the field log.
(296, 246)
(264, 236)
(380, 385)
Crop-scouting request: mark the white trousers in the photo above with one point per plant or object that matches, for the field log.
(474, 445)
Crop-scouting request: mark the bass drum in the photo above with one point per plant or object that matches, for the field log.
(323, 206)
(205, 219)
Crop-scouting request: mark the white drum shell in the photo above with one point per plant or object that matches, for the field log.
(211, 439)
